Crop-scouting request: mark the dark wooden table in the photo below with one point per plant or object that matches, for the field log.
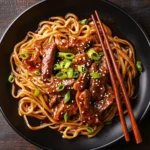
(9, 9)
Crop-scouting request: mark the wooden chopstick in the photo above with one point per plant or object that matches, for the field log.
(126, 99)
(127, 102)
(118, 102)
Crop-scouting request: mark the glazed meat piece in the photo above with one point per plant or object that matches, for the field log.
(73, 45)
(82, 82)
(108, 99)
(97, 87)
(81, 59)
(53, 100)
(49, 52)
(103, 69)
(87, 113)
(62, 108)
(68, 83)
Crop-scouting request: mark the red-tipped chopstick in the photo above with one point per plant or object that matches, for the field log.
(118, 102)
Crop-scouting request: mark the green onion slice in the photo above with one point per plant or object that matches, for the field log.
(66, 116)
(82, 69)
(89, 129)
(11, 78)
(69, 56)
(93, 55)
(36, 92)
(84, 21)
(108, 123)
(57, 67)
(67, 97)
(101, 53)
(61, 75)
(68, 64)
(70, 72)
(60, 87)
(24, 55)
(75, 74)
(95, 75)
(139, 66)
(37, 73)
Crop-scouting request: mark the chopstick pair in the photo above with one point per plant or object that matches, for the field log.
(111, 60)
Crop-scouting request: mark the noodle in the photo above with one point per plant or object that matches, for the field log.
(38, 106)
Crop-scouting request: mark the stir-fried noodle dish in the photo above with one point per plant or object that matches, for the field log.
(60, 76)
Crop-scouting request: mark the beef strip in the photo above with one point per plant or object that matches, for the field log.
(82, 82)
(68, 83)
(49, 52)
(81, 59)
(97, 87)
(107, 100)
(73, 45)
(62, 108)
(87, 113)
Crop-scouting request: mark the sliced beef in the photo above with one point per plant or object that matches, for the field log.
(81, 59)
(97, 86)
(73, 45)
(107, 100)
(103, 69)
(68, 83)
(82, 82)
(49, 52)
(60, 110)
(87, 113)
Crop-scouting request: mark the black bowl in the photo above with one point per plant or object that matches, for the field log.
(120, 23)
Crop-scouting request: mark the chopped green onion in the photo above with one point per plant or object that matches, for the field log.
(68, 64)
(98, 61)
(67, 97)
(11, 79)
(95, 75)
(57, 67)
(139, 66)
(90, 130)
(108, 123)
(70, 72)
(61, 75)
(24, 55)
(75, 74)
(101, 53)
(37, 73)
(66, 116)
(60, 87)
(82, 69)
(84, 21)
(36, 92)
(69, 56)
(93, 55)
(62, 64)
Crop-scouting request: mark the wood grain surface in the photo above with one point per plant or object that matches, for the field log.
(9, 9)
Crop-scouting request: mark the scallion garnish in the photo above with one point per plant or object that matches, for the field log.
(69, 56)
(95, 75)
(67, 64)
(11, 78)
(60, 87)
(82, 69)
(67, 97)
(36, 92)
(37, 73)
(66, 116)
(89, 129)
(57, 67)
(139, 66)
(93, 55)
(61, 75)
(24, 55)
(70, 72)
(101, 53)
(75, 74)
(84, 21)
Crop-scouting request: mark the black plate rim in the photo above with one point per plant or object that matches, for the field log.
(105, 1)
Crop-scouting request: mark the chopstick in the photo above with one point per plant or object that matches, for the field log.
(112, 77)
